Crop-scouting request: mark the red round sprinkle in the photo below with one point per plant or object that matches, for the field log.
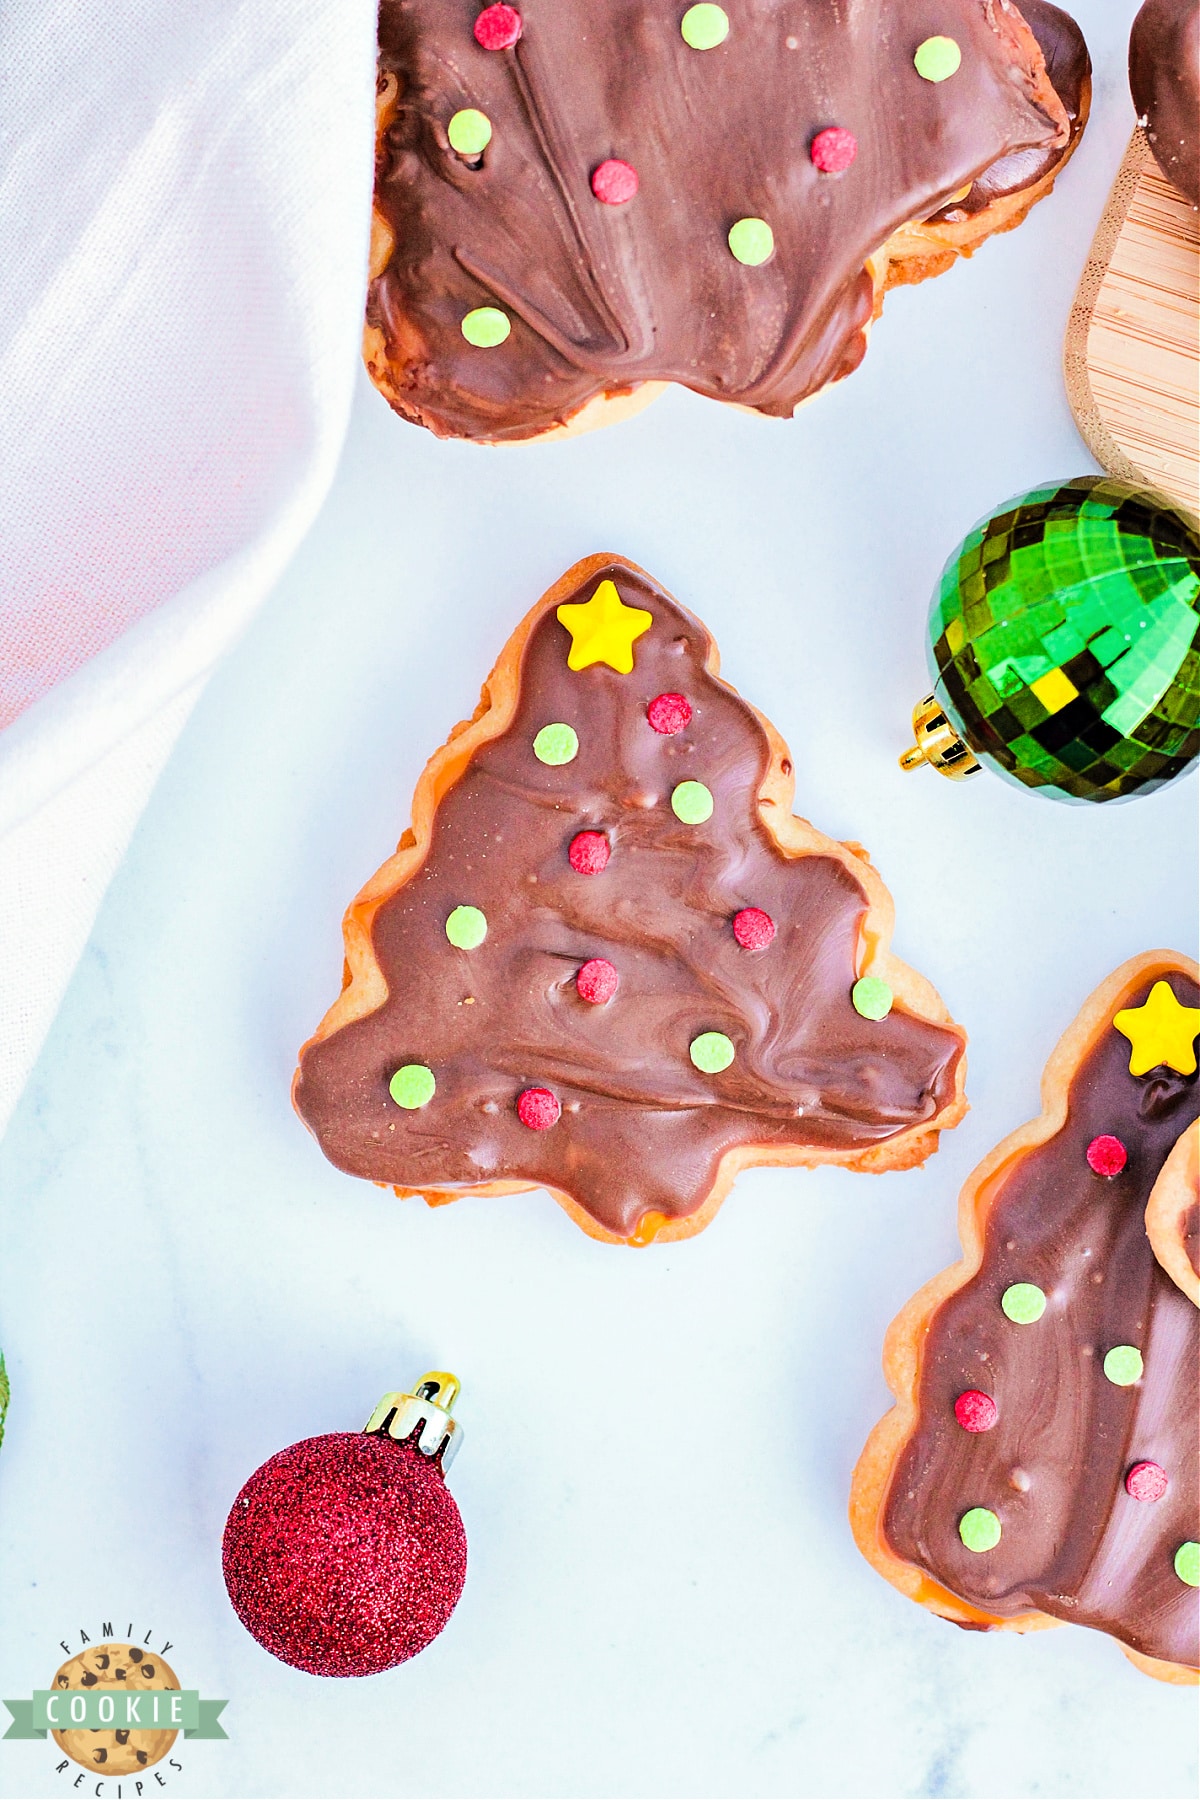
(589, 852)
(1146, 1481)
(1107, 1155)
(597, 981)
(498, 27)
(538, 1108)
(753, 928)
(975, 1411)
(834, 149)
(615, 182)
(669, 713)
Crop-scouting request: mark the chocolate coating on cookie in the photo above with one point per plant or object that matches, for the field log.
(1164, 79)
(601, 298)
(1074, 1542)
(1070, 70)
(646, 1111)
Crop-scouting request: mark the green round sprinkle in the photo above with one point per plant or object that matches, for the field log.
(752, 241)
(937, 58)
(412, 1086)
(486, 327)
(1123, 1365)
(871, 997)
(556, 744)
(979, 1529)
(704, 27)
(692, 803)
(1187, 1564)
(466, 928)
(711, 1052)
(469, 131)
(1023, 1303)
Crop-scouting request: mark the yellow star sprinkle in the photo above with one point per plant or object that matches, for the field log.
(1162, 1031)
(603, 630)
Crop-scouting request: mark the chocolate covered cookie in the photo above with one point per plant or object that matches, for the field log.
(1164, 79)
(1041, 1462)
(576, 205)
(607, 959)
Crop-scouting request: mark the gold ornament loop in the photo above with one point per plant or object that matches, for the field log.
(425, 1411)
(938, 743)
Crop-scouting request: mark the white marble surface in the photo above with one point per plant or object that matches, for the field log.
(663, 1596)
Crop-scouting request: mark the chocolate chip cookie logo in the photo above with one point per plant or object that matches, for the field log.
(116, 1709)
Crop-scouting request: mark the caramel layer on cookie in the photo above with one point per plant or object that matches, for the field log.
(633, 812)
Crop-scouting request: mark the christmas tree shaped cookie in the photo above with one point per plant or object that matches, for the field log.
(608, 961)
(1040, 1464)
(578, 204)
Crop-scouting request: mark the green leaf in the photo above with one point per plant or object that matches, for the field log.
(3, 1395)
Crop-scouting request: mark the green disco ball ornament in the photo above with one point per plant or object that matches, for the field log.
(1065, 645)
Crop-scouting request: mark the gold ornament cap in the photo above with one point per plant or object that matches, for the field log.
(427, 1411)
(938, 743)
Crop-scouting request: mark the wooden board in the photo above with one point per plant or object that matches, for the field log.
(1132, 355)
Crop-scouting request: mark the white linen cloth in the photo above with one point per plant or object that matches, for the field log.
(184, 215)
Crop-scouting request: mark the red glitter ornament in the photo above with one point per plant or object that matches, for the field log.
(833, 149)
(975, 1411)
(497, 27)
(1146, 1481)
(345, 1554)
(753, 928)
(669, 713)
(597, 981)
(1107, 1155)
(589, 852)
(538, 1108)
(614, 182)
